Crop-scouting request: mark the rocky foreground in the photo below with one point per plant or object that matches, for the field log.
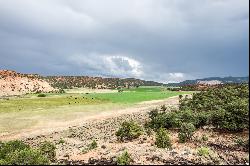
(70, 143)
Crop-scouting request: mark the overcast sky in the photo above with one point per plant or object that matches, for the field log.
(161, 40)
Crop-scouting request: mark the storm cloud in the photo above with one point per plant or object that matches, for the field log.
(161, 40)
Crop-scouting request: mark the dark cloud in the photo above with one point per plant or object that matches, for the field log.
(163, 40)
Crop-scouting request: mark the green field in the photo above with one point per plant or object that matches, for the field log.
(29, 110)
(135, 96)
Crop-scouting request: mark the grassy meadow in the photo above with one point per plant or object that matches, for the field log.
(24, 112)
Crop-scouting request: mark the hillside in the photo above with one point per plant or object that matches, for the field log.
(67, 82)
(13, 83)
(212, 81)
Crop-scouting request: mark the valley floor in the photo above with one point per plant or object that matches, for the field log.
(29, 114)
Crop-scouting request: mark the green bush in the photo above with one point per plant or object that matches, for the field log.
(234, 116)
(11, 146)
(91, 146)
(48, 149)
(18, 153)
(186, 132)
(26, 157)
(128, 131)
(124, 159)
(242, 143)
(41, 95)
(204, 138)
(203, 151)
(165, 120)
(61, 141)
(163, 139)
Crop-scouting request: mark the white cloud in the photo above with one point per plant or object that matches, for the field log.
(113, 65)
(176, 75)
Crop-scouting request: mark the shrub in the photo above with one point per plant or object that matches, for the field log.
(93, 145)
(61, 91)
(3, 162)
(204, 138)
(26, 157)
(186, 132)
(234, 117)
(242, 143)
(41, 95)
(163, 108)
(124, 159)
(165, 120)
(153, 113)
(128, 131)
(48, 149)
(203, 151)
(61, 141)
(11, 146)
(163, 139)
(202, 119)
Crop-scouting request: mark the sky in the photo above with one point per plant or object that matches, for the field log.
(159, 40)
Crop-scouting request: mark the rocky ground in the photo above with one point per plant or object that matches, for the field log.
(70, 144)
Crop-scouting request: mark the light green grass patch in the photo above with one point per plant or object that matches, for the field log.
(135, 96)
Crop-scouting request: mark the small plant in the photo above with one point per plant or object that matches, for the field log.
(128, 131)
(163, 108)
(48, 150)
(61, 91)
(180, 97)
(163, 139)
(186, 132)
(203, 151)
(41, 95)
(91, 146)
(204, 138)
(147, 129)
(61, 141)
(241, 143)
(124, 159)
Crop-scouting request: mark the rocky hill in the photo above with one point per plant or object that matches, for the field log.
(13, 83)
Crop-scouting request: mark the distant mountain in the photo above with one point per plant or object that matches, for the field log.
(212, 81)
